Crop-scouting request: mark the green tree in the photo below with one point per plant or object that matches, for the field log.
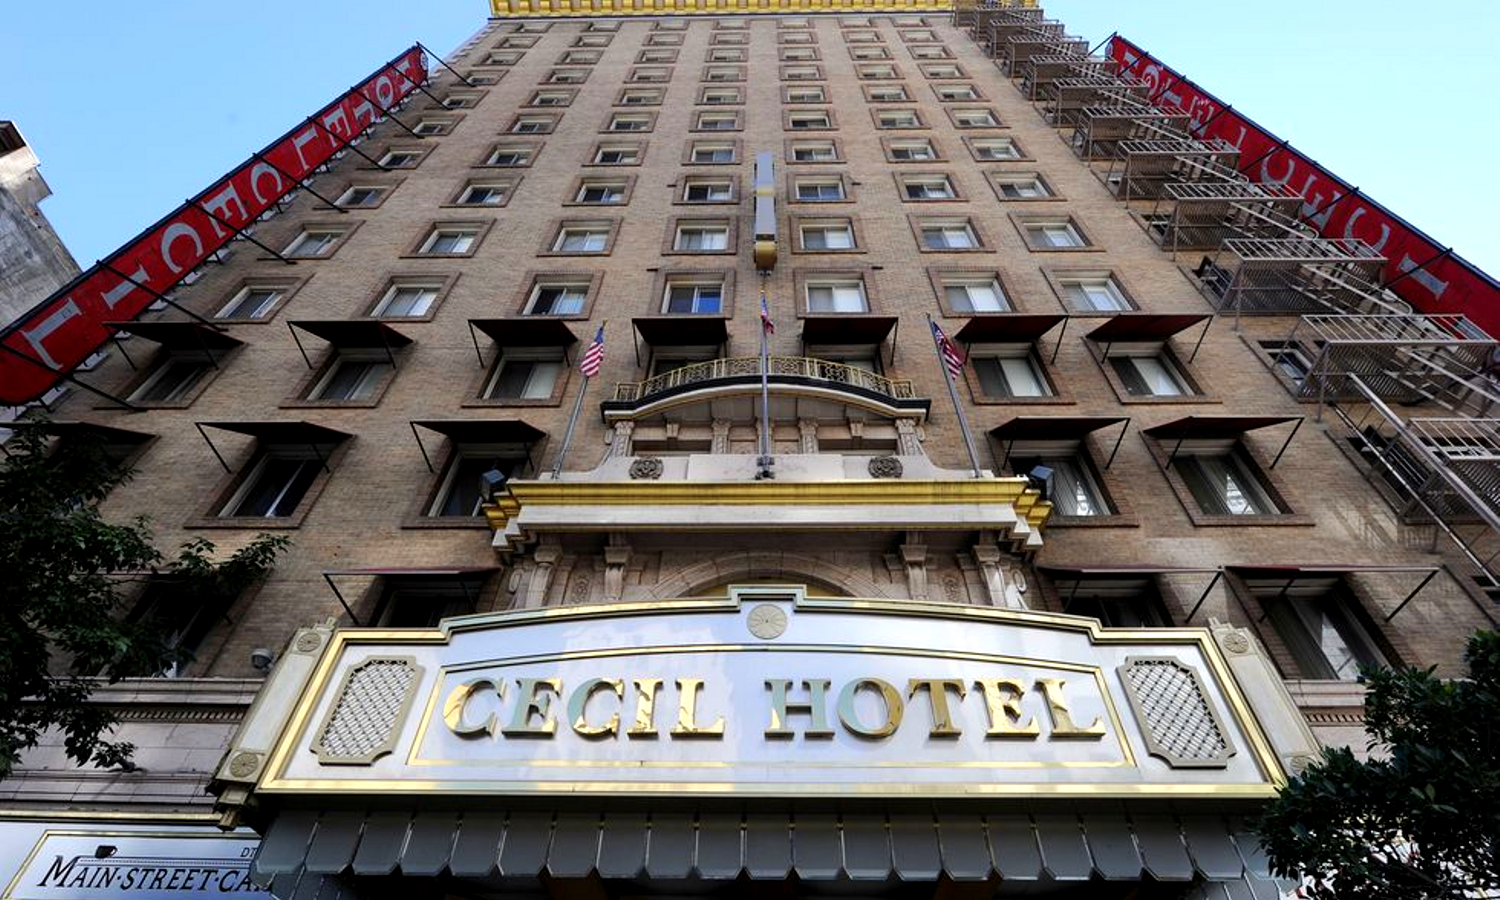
(67, 574)
(1420, 820)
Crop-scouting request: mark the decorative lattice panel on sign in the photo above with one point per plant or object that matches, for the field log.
(372, 702)
(1177, 716)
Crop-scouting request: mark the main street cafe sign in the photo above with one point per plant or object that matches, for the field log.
(768, 692)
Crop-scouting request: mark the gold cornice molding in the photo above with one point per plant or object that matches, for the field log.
(1026, 501)
(515, 9)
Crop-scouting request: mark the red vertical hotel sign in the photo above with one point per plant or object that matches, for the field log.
(1429, 280)
(55, 336)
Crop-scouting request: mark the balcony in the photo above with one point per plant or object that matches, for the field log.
(1100, 128)
(1299, 274)
(1042, 71)
(739, 375)
(1202, 215)
(1144, 169)
(1016, 52)
(1064, 100)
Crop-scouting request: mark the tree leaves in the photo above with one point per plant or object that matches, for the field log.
(62, 621)
(1420, 820)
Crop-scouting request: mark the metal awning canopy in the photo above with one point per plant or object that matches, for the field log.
(479, 431)
(1220, 427)
(179, 335)
(310, 853)
(1145, 327)
(1007, 328)
(351, 333)
(458, 574)
(847, 329)
(1056, 428)
(1291, 574)
(108, 434)
(527, 331)
(315, 437)
(682, 331)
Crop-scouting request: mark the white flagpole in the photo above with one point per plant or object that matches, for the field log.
(562, 451)
(958, 409)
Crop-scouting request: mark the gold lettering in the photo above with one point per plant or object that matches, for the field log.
(1002, 699)
(894, 708)
(816, 707)
(458, 698)
(645, 708)
(1063, 725)
(937, 697)
(687, 712)
(533, 701)
(578, 703)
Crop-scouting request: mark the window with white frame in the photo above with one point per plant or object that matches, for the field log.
(819, 190)
(949, 235)
(806, 95)
(949, 93)
(701, 237)
(641, 97)
(940, 71)
(356, 196)
(707, 190)
(253, 301)
(894, 94)
(629, 122)
(814, 151)
(1320, 622)
(1094, 293)
(1027, 186)
(867, 53)
(462, 492)
(995, 148)
(974, 295)
(928, 187)
(801, 121)
(898, 118)
(831, 235)
(696, 295)
(600, 192)
(531, 125)
(1148, 372)
(400, 159)
(450, 240)
(404, 300)
(722, 96)
(617, 155)
(352, 375)
(173, 378)
(483, 194)
(1009, 372)
(802, 73)
(718, 121)
(509, 157)
(524, 374)
(975, 118)
(276, 482)
(708, 153)
(567, 76)
(912, 150)
(551, 98)
(313, 243)
(1060, 234)
(1223, 482)
(591, 237)
(1075, 491)
(550, 298)
(841, 295)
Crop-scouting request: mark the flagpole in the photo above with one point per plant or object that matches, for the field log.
(572, 421)
(958, 409)
(765, 392)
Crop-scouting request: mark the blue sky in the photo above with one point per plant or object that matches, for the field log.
(135, 106)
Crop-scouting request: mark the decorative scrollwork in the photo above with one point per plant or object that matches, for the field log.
(886, 467)
(646, 468)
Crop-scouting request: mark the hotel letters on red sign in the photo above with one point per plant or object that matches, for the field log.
(62, 331)
(1433, 282)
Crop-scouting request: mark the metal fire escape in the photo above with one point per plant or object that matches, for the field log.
(1356, 348)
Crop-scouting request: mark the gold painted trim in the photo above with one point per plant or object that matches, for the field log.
(160, 818)
(1265, 757)
(606, 8)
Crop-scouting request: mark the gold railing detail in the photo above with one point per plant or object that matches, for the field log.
(834, 374)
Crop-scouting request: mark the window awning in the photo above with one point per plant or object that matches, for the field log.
(108, 434)
(847, 329)
(282, 432)
(354, 332)
(179, 335)
(871, 846)
(1144, 326)
(1023, 428)
(683, 330)
(1216, 426)
(1016, 328)
(527, 331)
(1288, 576)
(460, 575)
(483, 431)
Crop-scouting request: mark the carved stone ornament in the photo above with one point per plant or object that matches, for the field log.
(766, 621)
(1234, 642)
(308, 642)
(886, 467)
(243, 765)
(647, 468)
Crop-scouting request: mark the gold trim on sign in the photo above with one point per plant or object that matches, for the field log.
(1244, 719)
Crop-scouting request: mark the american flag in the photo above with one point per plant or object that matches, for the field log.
(953, 358)
(765, 316)
(593, 357)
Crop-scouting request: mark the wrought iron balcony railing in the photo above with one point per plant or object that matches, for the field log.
(703, 374)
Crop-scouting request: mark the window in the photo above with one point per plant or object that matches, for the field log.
(819, 190)
(841, 296)
(975, 118)
(580, 57)
(450, 241)
(174, 378)
(1021, 187)
(701, 237)
(798, 54)
(717, 121)
(551, 98)
(802, 73)
(721, 96)
(724, 73)
(1117, 601)
(949, 236)
(896, 94)
(876, 72)
(648, 75)
(995, 148)
(524, 375)
(657, 56)
(805, 95)
(726, 54)
(664, 40)
(551, 299)
(917, 150)
(629, 122)
(532, 125)
(827, 236)
(403, 301)
(703, 190)
(356, 196)
(275, 483)
(603, 193)
(592, 40)
(617, 155)
(711, 154)
(861, 37)
(1076, 492)
(864, 53)
(1324, 632)
(1289, 359)
(401, 159)
(476, 78)
(955, 92)
(510, 157)
(183, 622)
(938, 71)
(461, 493)
(1223, 484)
(1011, 374)
(640, 97)
(476, 194)
(251, 302)
(351, 377)
(976, 295)
(460, 101)
(606, 27)
(1150, 376)
(1059, 235)
(804, 121)
(694, 296)
(928, 187)
(567, 76)
(312, 244)
(431, 127)
(582, 239)
(814, 151)
(502, 59)
(1094, 293)
(929, 52)
(898, 118)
